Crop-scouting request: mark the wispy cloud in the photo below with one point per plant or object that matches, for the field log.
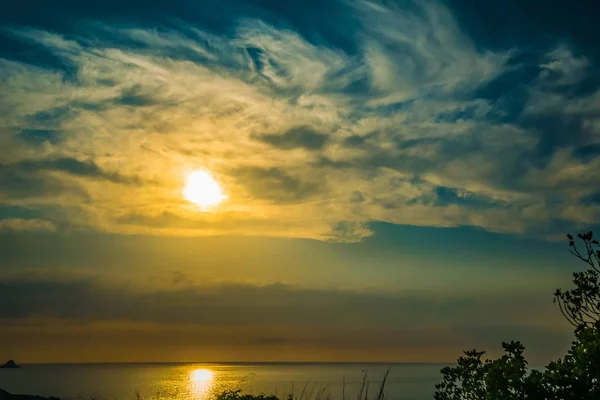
(26, 225)
(308, 139)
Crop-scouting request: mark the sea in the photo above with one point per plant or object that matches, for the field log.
(203, 381)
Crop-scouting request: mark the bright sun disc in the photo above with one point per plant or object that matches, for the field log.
(202, 189)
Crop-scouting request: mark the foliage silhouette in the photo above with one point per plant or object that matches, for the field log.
(237, 395)
(576, 376)
(581, 306)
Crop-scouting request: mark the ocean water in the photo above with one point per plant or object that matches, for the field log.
(158, 381)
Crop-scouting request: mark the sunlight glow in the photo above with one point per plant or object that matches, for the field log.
(201, 380)
(202, 375)
(203, 190)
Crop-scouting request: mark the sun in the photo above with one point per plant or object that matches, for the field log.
(203, 190)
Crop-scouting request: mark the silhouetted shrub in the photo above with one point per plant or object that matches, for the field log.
(236, 395)
(574, 377)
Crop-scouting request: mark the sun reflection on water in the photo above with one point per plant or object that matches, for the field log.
(201, 380)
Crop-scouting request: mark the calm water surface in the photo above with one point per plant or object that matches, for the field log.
(202, 381)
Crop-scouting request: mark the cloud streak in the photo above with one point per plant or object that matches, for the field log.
(270, 316)
(26, 225)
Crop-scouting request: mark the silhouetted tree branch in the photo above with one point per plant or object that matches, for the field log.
(581, 305)
(574, 377)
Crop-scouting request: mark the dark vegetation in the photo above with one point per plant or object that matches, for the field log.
(576, 376)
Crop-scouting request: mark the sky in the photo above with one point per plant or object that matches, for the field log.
(399, 177)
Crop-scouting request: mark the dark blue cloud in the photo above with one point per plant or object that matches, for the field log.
(71, 166)
(40, 135)
(275, 184)
(511, 23)
(7, 212)
(509, 92)
(446, 196)
(529, 24)
(334, 23)
(134, 96)
(45, 126)
(301, 136)
(592, 199)
(17, 184)
(587, 153)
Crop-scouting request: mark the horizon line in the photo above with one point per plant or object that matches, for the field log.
(238, 362)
